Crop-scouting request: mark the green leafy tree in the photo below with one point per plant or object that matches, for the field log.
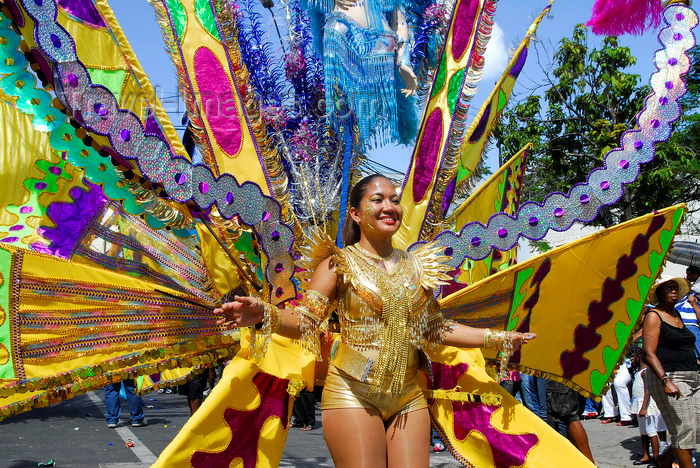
(587, 102)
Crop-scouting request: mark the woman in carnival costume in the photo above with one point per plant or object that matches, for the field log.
(374, 410)
(365, 59)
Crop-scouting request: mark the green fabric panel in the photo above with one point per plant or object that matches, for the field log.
(502, 100)
(36, 209)
(440, 77)
(113, 80)
(518, 297)
(205, 16)
(6, 369)
(462, 173)
(179, 16)
(455, 89)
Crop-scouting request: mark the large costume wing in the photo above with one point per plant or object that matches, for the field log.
(583, 300)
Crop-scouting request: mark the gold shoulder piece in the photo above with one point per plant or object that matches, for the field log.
(433, 265)
(319, 247)
(346, 266)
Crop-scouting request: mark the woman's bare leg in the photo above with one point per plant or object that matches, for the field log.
(408, 440)
(355, 437)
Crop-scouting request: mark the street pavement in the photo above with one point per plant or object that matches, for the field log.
(74, 434)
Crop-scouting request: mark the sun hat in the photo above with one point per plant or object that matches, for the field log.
(683, 287)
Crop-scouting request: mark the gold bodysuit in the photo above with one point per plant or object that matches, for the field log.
(386, 317)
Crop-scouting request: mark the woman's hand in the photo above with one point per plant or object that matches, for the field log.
(409, 79)
(245, 311)
(345, 4)
(518, 339)
(642, 412)
(692, 299)
(671, 389)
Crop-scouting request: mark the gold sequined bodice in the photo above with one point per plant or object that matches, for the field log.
(361, 299)
(386, 313)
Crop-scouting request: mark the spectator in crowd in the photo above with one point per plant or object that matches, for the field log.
(534, 390)
(624, 402)
(591, 410)
(304, 411)
(436, 441)
(113, 404)
(673, 379)
(512, 383)
(194, 390)
(564, 407)
(651, 423)
(690, 312)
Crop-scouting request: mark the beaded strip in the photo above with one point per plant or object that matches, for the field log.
(181, 334)
(270, 325)
(15, 285)
(182, 180)
(91, 292)
(604, 185)
(312, 310)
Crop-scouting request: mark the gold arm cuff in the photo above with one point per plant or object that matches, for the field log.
(503, 341)
(312, 310)
(314, 304)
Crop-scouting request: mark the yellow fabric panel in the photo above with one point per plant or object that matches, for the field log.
(471, 154)
(22, 145)
(108, 49)
(284, 359)
(246, 165)
(219, 265)
(36, 265)
(414, 213)
(572, 277)
(512, 417)
(486, 201)
(207, 430)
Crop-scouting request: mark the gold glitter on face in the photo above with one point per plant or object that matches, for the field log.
(369, 215)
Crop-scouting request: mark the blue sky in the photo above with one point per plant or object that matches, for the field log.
(512, 20)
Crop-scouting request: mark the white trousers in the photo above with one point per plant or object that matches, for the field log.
(622, 379)
(651, 425)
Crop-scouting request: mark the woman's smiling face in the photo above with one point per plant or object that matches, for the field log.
(380, 211)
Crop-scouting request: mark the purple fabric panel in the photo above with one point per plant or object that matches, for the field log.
(519, 64)
(427, 155)
(463, 27)
(152, 126)
(247, 425)
(72, 219)
(507, 449)
(84, 10)
(481, 127)
(218, 101)
(449, 192)
(15, 12)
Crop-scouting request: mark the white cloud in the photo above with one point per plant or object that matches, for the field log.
(496, 55)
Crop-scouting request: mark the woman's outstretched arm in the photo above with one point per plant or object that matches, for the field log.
(247, 311)
(463, 336)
